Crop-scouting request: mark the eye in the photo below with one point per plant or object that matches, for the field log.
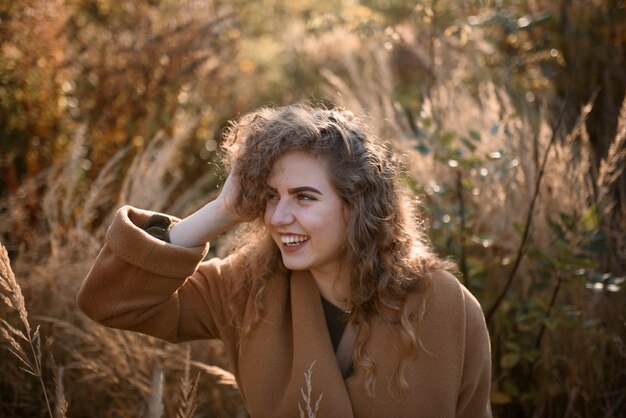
(271, 196)
(305, 196)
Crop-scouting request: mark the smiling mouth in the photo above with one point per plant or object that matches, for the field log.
(293, 241)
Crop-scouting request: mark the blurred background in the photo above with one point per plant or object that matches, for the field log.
(510, 115)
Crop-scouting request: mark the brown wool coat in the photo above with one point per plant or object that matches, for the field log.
(143, 284)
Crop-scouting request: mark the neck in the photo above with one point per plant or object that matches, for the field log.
(335, 288)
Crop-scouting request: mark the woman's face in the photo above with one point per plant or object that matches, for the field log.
(305, 215)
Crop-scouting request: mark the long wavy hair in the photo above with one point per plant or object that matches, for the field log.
(386, 248)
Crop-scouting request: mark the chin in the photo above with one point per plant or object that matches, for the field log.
(294, 265)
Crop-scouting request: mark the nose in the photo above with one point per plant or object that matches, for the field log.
(281, 213)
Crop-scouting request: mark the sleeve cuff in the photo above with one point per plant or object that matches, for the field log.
(130, 242)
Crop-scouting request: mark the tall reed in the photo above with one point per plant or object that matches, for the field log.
(29, 357)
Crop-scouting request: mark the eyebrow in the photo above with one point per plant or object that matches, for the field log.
(296, 190)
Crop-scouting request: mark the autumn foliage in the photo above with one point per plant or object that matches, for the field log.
(510, 116)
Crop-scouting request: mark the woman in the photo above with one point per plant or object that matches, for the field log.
(332, 285)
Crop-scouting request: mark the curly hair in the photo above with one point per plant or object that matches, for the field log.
(386, 248)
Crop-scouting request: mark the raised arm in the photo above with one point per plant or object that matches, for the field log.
(142, 283)
(213, 219)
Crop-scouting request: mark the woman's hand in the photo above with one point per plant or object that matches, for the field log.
(213, 219)
(229, 196)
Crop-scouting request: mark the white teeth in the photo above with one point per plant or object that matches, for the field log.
(293, 240)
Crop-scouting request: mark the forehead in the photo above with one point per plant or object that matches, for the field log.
(298, 166)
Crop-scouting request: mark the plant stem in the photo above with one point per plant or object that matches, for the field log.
(529, 217)
(463, 255)
(39, 371)
(549, 312)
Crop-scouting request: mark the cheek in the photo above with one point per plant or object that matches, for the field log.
(267, 216)
(335, 224)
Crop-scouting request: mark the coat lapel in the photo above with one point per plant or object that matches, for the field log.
(315, 371)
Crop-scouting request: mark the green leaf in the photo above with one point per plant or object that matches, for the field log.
(563, 252)
(510, 388)
(447, 137)
(422, 148)
(466, 184)
(591, 323)
(598, 277)
(519, 228)
(535, 253)
(474, 135)
(591, 218)
(472, 161)
(508, 361)
(470, 145)
(550, 323)
(613, 284)
(597, 244)
(567, 221)
(556, 228)
(512, 346)
(531, 356)
(541, 286)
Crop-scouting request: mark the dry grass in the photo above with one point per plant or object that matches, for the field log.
(188, 392)
(311, 406)
(502, 193)
(100, 371)
(100, 364)
(29, 358)
(558, 344)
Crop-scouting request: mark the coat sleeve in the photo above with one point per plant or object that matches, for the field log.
(474, 395)
(141, 283)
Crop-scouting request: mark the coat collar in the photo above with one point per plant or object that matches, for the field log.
(313, 352)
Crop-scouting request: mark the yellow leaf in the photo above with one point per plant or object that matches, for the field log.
(509, 360)
(500, 398)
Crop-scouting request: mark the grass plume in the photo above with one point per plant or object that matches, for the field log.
(30, 357)
(311, 410)
(187, 403)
